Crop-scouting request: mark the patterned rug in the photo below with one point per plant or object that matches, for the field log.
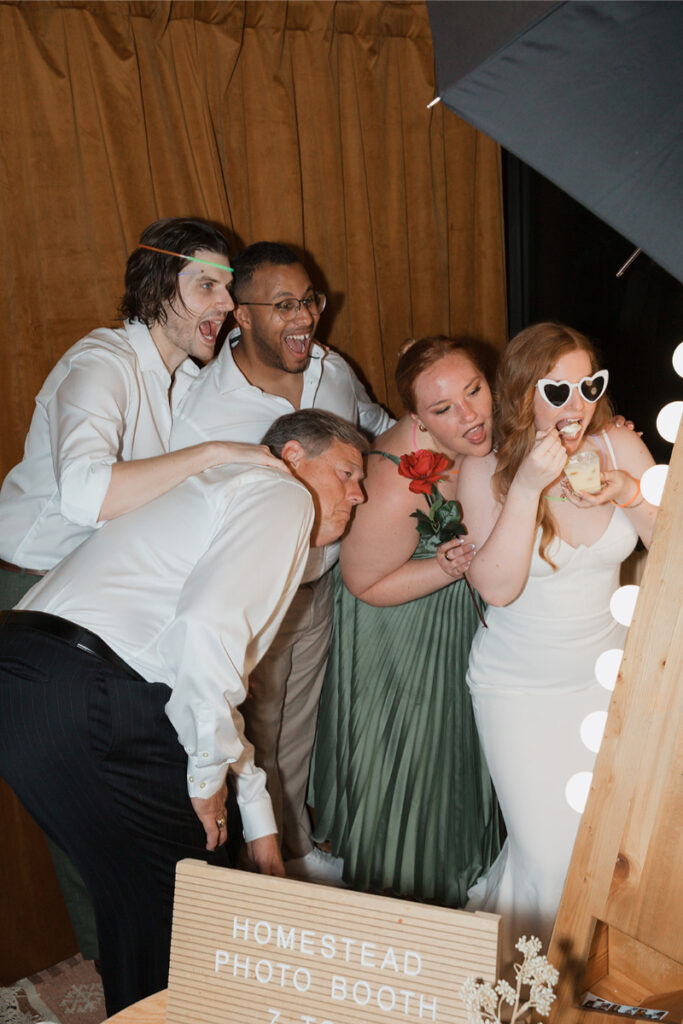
(68, 993)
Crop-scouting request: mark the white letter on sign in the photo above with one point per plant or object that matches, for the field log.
(417, 965)
(222, 958)
(390, 961)
(361, 993)
(424, 1005)
(367, 954)
(237, 966)
(392, 996)
(338, 987)
(264, 971)
(262, 932)
(306, 983)
(285, 940)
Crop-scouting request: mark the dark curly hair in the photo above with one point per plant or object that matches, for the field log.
(151, 279)
(260, 254)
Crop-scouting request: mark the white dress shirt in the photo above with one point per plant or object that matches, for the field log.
(106, 400)
(221, 405)
(190, 590)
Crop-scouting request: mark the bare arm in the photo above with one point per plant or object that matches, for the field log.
(137, 482)
(376, 555)
(622, 486)
(264, 854)
(504, 536)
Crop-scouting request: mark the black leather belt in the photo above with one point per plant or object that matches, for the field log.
(71, 633)
(10, 567)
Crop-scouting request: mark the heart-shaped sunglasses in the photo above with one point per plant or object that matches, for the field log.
(558, 392)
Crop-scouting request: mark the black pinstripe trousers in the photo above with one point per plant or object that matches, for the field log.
(90, 753)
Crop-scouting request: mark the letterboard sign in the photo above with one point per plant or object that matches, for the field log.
(251, 949)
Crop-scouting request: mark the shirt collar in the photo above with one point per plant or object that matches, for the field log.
(231, 378)
(149, 357)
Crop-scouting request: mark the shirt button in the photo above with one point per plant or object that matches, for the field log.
(205, 754)
(202, 785)
(191, 778)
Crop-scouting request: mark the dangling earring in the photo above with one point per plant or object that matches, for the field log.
(423, 429)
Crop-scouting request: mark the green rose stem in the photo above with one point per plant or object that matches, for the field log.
(444, 520)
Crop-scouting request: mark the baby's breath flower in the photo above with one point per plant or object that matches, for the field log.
(469, 993)
(542, 998)
(484, 1002)
(506, 992)
(488, 997)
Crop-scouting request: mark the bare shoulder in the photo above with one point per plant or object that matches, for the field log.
(397, 440)
(382, 536)
(630, 451)
(389, 498)
(382, 476)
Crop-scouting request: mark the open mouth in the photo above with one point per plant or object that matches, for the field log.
(476, 434)
(569, 428)
(209, 330)
(299, 343)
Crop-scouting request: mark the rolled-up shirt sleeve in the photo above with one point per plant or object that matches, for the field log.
(371, 416)
(87, 415)
(230, 608)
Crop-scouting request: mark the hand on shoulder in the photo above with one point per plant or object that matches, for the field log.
(630, 451)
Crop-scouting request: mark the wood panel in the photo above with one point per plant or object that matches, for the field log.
(252, 949)
(626, 869)
(36, 932)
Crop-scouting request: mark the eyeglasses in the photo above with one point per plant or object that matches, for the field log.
(289, 308)
(558, 392)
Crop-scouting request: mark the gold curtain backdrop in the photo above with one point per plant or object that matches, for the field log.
(302, 122)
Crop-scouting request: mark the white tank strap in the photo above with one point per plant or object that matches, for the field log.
(610, 449)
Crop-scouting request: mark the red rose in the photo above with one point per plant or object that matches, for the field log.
(423, 469)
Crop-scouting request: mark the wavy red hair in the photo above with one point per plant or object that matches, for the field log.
(528, 357)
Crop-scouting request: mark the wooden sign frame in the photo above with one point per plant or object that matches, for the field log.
(619, 930)
(253, 949)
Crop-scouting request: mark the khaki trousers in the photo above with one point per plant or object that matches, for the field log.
(282, 708)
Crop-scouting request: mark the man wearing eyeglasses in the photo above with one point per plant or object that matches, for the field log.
(270, 365)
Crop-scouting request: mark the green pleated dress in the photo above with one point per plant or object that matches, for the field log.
(399, 784)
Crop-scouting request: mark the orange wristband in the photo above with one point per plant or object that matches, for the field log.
(626, 505)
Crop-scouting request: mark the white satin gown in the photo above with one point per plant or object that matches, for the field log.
(532, 680)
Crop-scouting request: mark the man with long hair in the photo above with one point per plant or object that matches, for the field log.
(98, 444)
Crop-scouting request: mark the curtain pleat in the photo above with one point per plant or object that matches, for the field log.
(301, 122)
(304, 123)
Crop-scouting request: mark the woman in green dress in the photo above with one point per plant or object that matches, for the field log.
(399, 784)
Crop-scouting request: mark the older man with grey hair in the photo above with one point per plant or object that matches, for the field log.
(122, 670)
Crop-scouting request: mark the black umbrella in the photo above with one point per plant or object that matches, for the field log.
(589, 94)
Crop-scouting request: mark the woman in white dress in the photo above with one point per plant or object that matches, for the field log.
(547, 563)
